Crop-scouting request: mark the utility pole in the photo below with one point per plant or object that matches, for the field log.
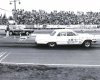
(15, 15)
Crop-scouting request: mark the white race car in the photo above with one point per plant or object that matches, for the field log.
(65, 37)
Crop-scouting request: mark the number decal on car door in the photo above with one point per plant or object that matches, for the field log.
(72, 41)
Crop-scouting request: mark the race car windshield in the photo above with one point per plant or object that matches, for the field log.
(53, 33)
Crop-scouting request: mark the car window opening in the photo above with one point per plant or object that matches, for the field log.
(53, 33)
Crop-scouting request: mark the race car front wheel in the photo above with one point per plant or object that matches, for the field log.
(87, 44)
(51, 44)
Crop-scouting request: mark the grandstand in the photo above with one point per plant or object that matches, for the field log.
(62, 19)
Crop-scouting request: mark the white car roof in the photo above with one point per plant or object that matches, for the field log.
(66, 30)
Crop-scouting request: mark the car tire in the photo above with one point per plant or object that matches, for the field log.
(27, 33)
(10, 33)
(51, 44)
(87, 44)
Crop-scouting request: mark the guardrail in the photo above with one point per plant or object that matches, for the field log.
(3, 27)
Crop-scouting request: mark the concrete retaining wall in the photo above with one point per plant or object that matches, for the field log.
(53, 26)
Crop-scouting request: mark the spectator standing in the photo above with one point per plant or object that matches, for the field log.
(7, 30)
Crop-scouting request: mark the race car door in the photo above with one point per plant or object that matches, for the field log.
(61, 38)
(72, 38)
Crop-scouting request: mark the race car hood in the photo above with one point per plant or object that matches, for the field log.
(87, 36)
(42, 36)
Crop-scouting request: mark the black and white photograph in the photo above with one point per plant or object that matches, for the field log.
(49, 40)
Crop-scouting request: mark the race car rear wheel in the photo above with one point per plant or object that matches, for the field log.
(51, 44)
(87, 44)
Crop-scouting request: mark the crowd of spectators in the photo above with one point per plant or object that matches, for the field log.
(3, 19)
(56, 18)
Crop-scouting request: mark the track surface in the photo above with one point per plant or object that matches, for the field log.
(45, 55)
(14, 50)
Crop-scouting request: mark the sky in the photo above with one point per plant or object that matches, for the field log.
(50, 5)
